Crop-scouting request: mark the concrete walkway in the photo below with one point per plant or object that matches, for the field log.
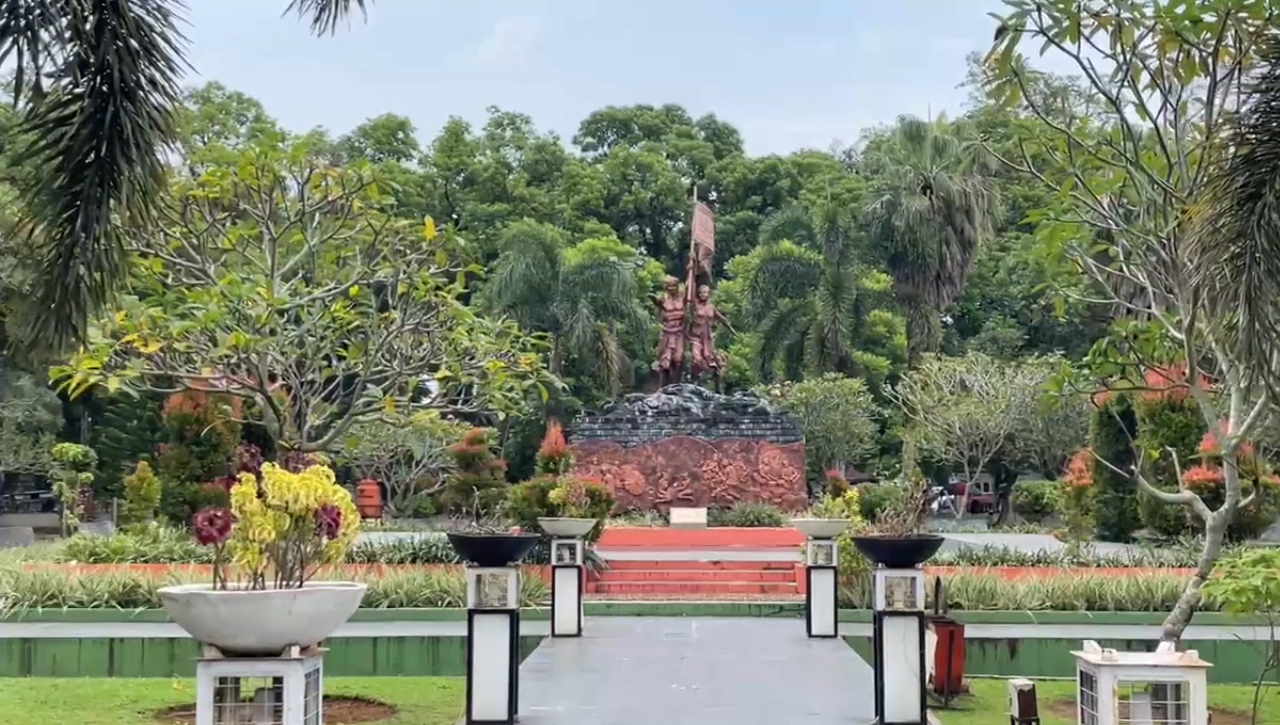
(677, 671)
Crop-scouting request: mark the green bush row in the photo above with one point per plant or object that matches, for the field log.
(159, 545)
(51, 588)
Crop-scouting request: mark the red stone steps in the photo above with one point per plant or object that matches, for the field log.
(710, 589)
(693, 574)
(726, 565)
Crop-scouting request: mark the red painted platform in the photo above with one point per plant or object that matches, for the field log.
(721, 537)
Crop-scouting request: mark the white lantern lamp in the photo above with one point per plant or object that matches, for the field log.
(568, 574)
(493, 623)
(1164, 687)
(821, 610)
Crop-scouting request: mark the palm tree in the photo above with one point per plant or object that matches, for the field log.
(930, 206)
(803, 297)
(581, 302)
(1233, 246)
(96, 84)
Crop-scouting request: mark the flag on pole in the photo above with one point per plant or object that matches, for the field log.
(704, 237)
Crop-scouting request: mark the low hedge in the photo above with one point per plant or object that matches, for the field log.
(1147, 592)
(58, 588)
(156, 545)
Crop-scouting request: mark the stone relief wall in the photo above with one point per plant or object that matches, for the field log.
(687, 446)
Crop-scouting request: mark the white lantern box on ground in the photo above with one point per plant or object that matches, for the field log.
(283, 690)
(568, 575)
(1164, 687)
(821, 610)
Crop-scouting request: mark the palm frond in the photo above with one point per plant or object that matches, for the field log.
(324, 16)
(793, 223)
(1233, 244)
(784, 273)
(781, 339)
(99, 133)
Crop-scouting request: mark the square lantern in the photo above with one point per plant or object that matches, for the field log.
(1024, 708)
(821, 552)
(898, 590)
(1164, 687)
(284, 690)
(493, 587)
(567, 552)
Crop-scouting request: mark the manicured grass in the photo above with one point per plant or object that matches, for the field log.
(989, 703)
(40, 701)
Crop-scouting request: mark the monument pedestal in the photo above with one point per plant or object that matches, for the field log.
(493, 645)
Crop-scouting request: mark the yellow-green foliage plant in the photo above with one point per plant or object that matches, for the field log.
(280, 529)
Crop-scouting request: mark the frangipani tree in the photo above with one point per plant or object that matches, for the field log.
(288, 283)
(968, 410)
(1169, 78)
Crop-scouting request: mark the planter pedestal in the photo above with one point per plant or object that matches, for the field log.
(283, 690)
(568, 581)
(821, 612)
(493, 645)
(899, 644)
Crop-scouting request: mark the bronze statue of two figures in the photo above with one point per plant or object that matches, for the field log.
(684, 320)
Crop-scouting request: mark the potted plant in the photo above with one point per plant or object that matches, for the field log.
(571, 504)
(488, 541)
(896, 540)
(278, 532)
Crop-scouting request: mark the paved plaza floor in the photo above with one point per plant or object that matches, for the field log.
(693, 671)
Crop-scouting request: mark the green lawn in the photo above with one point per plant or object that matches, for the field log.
(53, 701)
(989, 703)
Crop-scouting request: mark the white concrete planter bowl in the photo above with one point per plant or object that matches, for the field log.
(820, 528)
(567, 527)
(262, 623)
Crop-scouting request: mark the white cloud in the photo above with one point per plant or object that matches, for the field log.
(510, 44)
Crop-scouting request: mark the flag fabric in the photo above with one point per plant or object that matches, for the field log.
(704, 236)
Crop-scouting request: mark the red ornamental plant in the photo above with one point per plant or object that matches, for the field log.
(554, 456)
(212, 527)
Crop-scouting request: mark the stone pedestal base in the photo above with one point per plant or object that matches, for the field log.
(821, 614)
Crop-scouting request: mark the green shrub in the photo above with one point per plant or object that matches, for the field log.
(478, 479)
(1166, 422)
(1115, 496)
(147, 544)
(747, 515)
(528, 501)
(55, 588)
(876, 497)
(1036, 501)
(141, 495)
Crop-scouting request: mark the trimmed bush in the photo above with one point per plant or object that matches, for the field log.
(747, 515)
(1036, 501)
(1115, 495)
(876, 497)
(1164, 422)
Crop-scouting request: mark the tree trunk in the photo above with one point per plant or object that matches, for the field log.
(1215, 531)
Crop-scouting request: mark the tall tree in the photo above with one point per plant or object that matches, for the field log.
(930, 206)
(98, 84)
(804, 299)
(581, 301)
(1168, 79)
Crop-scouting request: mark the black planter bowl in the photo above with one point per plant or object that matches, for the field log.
(492, 549)
(899, 552)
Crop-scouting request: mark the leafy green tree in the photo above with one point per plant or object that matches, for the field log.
(1128, 179)
(285, 283)
(98, 88)
(840, 418)
(930, 206)
(582, 299)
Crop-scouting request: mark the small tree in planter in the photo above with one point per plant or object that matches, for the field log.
(478, 482)
(279, 530)
(897, 539)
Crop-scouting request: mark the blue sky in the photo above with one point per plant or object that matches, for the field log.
(788, 75)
